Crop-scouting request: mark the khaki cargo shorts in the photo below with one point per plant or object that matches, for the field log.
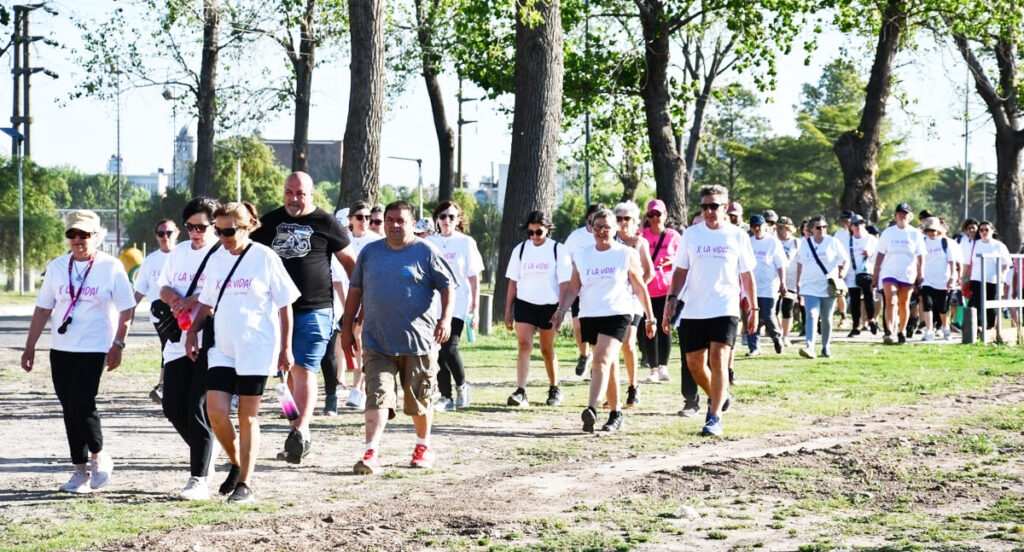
(418, 376)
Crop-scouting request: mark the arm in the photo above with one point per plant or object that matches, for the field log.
(192, 337)
(640, 290)
(678, 280)
(123, 323)
(443, 330)
(782, 281)
(567, 294)
(646, 263)
(920, 269)
(178, 303)
(750, 289)
(35, 329)
(799, 272)
(474, 300)
(352, 304)
(285, 359)
(347, 258)
(878, 269)
(510, 297)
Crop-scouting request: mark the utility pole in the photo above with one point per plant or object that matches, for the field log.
(117, 222)
(461, 121)
(22, 71)
(967, 138)
(586, 115)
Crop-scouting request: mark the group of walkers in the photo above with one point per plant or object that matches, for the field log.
(374, 291)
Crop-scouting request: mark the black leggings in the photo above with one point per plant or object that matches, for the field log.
(329, 366)
(185, 406)
(856, 294)
(450, 361)
(76, 379)
(975, 301)
(687, 384)
(658, 347)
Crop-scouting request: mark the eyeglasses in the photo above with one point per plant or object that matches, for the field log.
(653, 214)
(446, 216)
(602, 228)
(226, 232)
(625, 218)
(822, 227)
(376, 222)
(710, 206)
(189, 227)
(164, 233)
(984, 229)
(360, 217)
(539, 232)
(75, 233)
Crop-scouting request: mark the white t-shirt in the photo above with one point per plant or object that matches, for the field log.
(538, 273)
(714, 260)
(338, 275)
(147, 275)
(843, 235)
(462, 255)
(993, 247)
(791, 247)
(105, 293)
(866, 243)
(814, 282)
(770, 257)
(247, 325)
(578, 239)
(936, 261)
(604, 276)
(901, 246)
(178, 272)
(359, 243)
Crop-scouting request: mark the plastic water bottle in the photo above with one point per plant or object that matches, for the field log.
(284, 396)
(470, 334)
(184, 321)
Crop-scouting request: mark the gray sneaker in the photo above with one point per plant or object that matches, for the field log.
(690, 408)
(554, 396)
(462, 393)
(241, 495)
(518, 398)
(444, 405)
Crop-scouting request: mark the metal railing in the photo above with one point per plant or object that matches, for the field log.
(1014, 301)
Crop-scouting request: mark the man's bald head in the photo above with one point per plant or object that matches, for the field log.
(298, 194)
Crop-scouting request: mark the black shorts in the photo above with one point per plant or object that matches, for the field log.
(635, 322)
(575, 308)
(935, 300)
(536, 315)
(612, 326)
(784, 307)
(223, 378)
(697, 334)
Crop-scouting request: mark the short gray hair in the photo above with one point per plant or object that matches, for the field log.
(604, 213)
(816, 220)
(714, 190)
(630, 208)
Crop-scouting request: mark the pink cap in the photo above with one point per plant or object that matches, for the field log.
(735, 207)
(656, 205)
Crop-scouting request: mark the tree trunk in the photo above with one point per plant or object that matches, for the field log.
(445, 137)
(669, 166)
(360, 161)
(205, 167)
(857, 150)
(693, 146)
(303, 64)
(536, 125)
(629, 176)
(1009, 189)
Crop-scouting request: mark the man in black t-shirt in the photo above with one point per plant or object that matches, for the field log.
(305, 237)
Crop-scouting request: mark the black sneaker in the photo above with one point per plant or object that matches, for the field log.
(690, 408)
(632, 396)
(732, 376)
(853, 333)
(901, 339)
(241, 495)
(873, 327)
(229, 484)
(589, 419)
(518, 398)
(295, 447)
(581, 364)
(777, 342)
(614, 422)
(554, 396)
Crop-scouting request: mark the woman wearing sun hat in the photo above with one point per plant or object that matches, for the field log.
(90, 303)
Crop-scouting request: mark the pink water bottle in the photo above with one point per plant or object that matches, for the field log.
(184, 321)
(284, 396)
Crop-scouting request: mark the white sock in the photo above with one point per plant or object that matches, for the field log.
(425, 442)
(372, 446)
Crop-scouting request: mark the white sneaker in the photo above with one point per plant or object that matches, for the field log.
(78, 484)
(654, 377)
(945, 334)
(101, 468)
(196, 489)
(663, 374)
(462, 395)
(927, 336)
(808, 352)
(444, 405)
(234, 404)
(356, 399)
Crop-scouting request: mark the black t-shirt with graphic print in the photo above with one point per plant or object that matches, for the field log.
(305, 245)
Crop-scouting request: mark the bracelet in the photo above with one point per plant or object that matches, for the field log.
(652, 321)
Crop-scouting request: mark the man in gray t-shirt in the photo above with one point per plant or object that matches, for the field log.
(393, 283)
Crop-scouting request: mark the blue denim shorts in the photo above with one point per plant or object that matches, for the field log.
(311, 333)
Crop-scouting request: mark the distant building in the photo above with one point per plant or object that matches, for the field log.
(113, 162)
(184, 157)
(324, 157)
(153, 183)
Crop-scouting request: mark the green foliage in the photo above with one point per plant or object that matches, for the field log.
(485, 227)
(262, 177)
(140, 222)
(43, 226)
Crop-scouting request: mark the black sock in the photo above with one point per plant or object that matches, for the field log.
(520, 390)
(229, 484)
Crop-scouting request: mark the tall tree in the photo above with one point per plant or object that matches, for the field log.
(206, 127)
(431, 16)
(536, 124)
(360, 162)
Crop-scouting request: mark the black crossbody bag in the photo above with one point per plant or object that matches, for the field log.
(836, 287)
(208, 335)
(167, 324)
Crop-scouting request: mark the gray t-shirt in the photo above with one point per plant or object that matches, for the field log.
(398, 286)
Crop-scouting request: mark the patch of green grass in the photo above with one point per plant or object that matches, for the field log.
(1008, 509)
(11, 298)
(717, 535)
(89, 523)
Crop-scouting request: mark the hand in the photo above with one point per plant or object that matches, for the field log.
(652, 327)
(191, 345)
(113, 357)
(285, 360)
(443, 331)
(752, 319)
(28, 359)
(475, 322)
(782, 290)
(348, 344)
(184, 304)
(667, 316)
(508, 319)
(556, 318)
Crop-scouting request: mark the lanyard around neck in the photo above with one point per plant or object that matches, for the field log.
(71, 284)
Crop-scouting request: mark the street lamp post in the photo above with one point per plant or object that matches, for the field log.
(419, 168)
(18, 145)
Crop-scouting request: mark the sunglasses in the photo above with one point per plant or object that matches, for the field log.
(376, 222)
(164, 233)
(653, 214)
(226, 232)
(626, 218)
(196, 227)
(75, 233)
(710, 206)
(820, 227)
(446, 216)
(537, 233)
(360, 217)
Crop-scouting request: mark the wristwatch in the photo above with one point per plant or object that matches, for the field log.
(119, 343)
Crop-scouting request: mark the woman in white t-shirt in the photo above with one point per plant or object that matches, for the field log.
(860, 248)
(538, 271)
(608, 278)
(361, 232)
(791, 245)
(184, 401)
(146, 283)
(461, 254)
(997, 260)
(821, 257)
(249, 295)
(88, 300)
(627, 216)
(899, 267)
